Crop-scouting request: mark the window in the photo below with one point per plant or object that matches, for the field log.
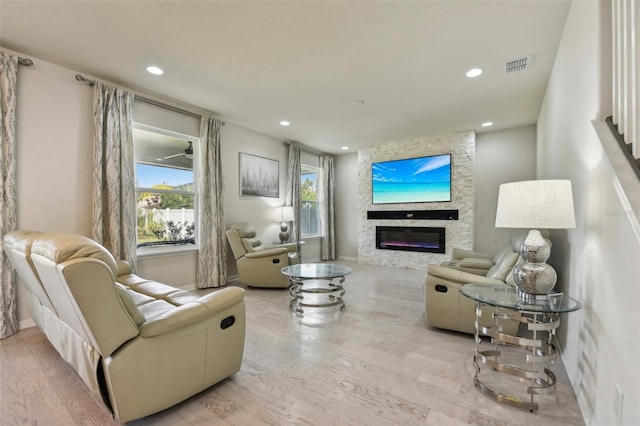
(165, 188)
(309, 201)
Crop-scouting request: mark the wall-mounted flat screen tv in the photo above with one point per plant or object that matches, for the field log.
(412, 180)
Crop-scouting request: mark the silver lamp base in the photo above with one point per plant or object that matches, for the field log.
(284, 234)
(533, 276)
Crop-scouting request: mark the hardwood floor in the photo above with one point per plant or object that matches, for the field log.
(375, 363)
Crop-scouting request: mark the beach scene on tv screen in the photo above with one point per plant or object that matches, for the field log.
(412, 180)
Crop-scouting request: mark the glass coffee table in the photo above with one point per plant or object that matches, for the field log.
(533, 354)
(318, 295)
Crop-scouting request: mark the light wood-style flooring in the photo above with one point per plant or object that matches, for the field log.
(375, 363)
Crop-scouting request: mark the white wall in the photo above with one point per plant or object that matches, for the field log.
(54, 166)
(346, 171)
(501, 157)
(597, 261)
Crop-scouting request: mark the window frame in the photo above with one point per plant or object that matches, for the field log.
(169, 248)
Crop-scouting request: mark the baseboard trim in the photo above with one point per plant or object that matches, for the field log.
(28, 323)
(349, 258)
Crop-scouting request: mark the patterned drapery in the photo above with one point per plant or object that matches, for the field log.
(8, 81)
(212, 252)
(327, 198)
(293, 189)
(114, 198)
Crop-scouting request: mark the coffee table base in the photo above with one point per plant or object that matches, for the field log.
(297, 290)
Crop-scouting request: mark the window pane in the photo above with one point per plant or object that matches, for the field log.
(149, 176)
(159, 223)
(308, 185)
(309, 218)
(309, 201)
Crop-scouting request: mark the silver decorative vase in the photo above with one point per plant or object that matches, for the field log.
(533, 275)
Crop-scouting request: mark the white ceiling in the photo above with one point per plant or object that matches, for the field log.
(257, 63)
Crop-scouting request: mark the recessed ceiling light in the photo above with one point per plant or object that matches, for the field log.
(345, 148)
(284, 123)
(155, 70)
(487, 124)
(474, 72)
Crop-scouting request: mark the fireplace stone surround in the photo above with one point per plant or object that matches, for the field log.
(459, 233)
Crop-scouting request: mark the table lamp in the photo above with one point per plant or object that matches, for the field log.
(283, 215)
(535, 204)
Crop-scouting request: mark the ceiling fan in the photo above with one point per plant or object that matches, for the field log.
(188, 152)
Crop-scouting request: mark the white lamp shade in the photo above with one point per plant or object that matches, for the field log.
(542, 204)
(283, 214)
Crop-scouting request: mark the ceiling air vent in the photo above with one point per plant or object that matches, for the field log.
(519, 64)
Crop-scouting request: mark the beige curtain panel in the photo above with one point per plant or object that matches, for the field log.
(8, 83)
(212, 242)
(114, 197)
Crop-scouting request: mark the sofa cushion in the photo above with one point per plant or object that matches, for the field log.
(502, 253)
(501, 270)
(130, 304)
(157, 307)
(181, 297)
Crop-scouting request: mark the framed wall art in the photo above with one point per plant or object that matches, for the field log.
(259, 176)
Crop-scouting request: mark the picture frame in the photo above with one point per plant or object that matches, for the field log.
(259, 176)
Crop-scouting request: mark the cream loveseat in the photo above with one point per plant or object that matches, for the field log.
(140, 345)
(448, 309)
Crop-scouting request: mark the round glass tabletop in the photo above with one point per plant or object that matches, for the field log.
(506, 296)
(316, 270)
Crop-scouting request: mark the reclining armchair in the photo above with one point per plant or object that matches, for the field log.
(139, 345)
(479, 263)
(259, 266)
(448, 309)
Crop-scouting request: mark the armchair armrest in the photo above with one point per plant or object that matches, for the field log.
(191, 313)
(476, 262)
(458, 253)
(266, 253)
(457, 276)
(123, 267)
(291, 247)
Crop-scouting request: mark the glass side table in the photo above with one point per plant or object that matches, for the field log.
(533, 365)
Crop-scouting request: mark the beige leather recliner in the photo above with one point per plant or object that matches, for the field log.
(259, 266)
(448, 309)
(479, 263)
(140, 345)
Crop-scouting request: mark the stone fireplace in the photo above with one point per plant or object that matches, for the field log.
(458, 229)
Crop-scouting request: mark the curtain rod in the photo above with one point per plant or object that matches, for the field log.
(304, 147)
(25, 61)
(149, 101)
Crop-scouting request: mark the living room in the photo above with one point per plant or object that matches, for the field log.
(599, 352)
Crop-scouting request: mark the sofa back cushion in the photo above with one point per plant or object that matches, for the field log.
(501, 269)
(17, 245)
(243, 239)
(506, 251)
